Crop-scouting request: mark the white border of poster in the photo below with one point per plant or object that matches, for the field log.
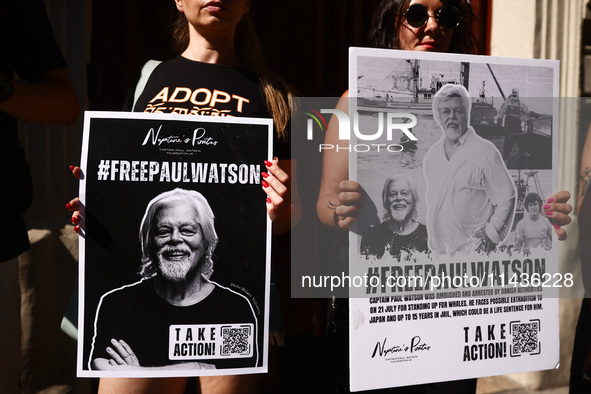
(407, 333)
(129, 160)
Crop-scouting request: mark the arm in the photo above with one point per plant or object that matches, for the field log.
(501, 113)
(548, 239)
(49, 97)
(585, 176)
(123, 359)
(339, 199)
(500, 190)
(519, 237)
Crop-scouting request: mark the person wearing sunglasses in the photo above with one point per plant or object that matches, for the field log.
(419, 25)
(416, 25)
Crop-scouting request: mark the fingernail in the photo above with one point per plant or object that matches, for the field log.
(546, 206)
(265, 184)
(68, 206)
(71, 168)
(77, 229)
(275, 159)
(264, 174)
(269, 200)
(268, 163)
(73, 219)
(550, 200)
(549, 213)
(557, 227)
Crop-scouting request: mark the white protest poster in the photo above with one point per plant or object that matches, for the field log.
(456, 155)
(174, 247)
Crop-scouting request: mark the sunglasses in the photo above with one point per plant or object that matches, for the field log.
(447, 16)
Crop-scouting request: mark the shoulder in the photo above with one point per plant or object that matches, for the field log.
(482, 146)
(228, 296)
(377, 229)
(134, 291)
(234, 305)
(31, 34)
(421, 229)
(433, 152)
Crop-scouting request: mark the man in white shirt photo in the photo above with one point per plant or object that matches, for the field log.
(470, 194)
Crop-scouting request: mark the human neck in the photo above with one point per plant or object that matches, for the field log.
(403, 228)
(451, 146)
(211, 48)
(182, 293)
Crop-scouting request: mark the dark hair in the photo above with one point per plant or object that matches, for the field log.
(532, 197)
(388, 19)
(278, 93)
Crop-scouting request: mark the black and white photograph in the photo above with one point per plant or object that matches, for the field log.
(174, 276)
(457, 155)
(512, 105)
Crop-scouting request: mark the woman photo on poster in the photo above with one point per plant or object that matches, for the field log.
(220, 62)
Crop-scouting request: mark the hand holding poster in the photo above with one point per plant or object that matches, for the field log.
(461, 262)
(188, 296)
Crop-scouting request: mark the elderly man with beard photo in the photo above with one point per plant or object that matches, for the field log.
(132, 325)
(470, 194)
(400, 231)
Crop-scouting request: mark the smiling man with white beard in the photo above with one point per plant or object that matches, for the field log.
(172, 318)
(400, 231)
(470, 194)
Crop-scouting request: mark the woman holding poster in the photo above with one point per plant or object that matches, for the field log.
(416, 25)
(219, 72)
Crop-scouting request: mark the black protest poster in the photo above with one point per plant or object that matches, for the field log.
(174, 246)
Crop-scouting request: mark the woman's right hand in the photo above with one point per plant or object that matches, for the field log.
(74, 204)
(350, 200)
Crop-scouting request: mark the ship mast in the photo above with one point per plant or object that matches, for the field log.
(465, 74)
(415, 66)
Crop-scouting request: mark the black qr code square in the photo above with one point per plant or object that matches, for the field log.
(235, 340)
(525, 338)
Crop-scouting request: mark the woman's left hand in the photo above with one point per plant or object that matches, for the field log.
(74, 204)
(557, 209)
(276, 185)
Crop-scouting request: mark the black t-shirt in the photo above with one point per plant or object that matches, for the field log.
(28, 49)
(190, 87)
(380, 239)
(140, 317)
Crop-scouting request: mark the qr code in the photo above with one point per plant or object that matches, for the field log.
(235, 340)
(525, 338)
